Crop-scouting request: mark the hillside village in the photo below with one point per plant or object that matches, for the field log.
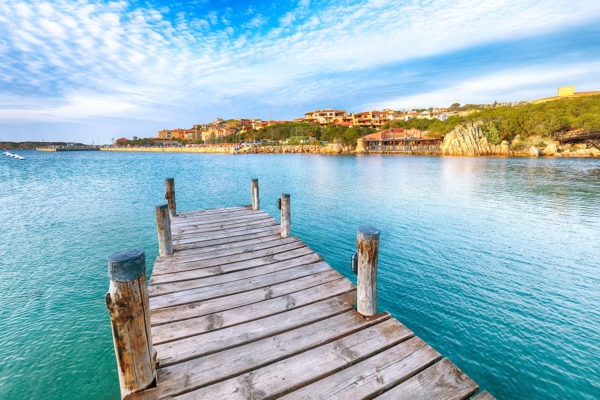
(503, 121)
(220, 128)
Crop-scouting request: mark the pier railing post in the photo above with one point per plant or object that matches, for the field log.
(367, 244)
(163, 225)
(286, 219)
(170, 196)
(128, 306)
(255, 197)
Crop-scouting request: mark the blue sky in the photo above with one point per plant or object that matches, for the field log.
(95, 70)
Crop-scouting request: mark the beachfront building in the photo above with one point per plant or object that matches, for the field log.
(172, 134)
(326, 117)
(370, 119)
(400, 140)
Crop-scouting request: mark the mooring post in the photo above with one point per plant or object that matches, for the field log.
(163, 225)
(367, 244)
(255, 198)
(127, 303)
(286, 219)
(170, 196)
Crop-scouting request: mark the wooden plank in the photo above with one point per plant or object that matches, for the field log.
(211, 243)
(204, 222)
(293, 257)
(372, 376)
(195, 309)
(224, 234)
(485, 395)
(279, 378)
(443, 380)
(208, 211)
(222, 225)
(197, 325)
(273, 254)
(223, 249)
(236, 215)
(211, 234)
(171, 287)
(225, 364)
(210, 292)
(186, 256)
(221, 339)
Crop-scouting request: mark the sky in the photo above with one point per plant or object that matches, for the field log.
(91, 71)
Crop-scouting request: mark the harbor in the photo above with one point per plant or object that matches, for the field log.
(238, 308)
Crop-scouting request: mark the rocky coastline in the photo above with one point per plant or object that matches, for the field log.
(465, 141)
(470, 141)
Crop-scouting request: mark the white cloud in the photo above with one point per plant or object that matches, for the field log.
(506, 85)
(79, 57)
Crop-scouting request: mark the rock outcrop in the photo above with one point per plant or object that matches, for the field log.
(469, 140)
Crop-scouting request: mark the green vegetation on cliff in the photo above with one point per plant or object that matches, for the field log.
(545, 119)
(293, 131)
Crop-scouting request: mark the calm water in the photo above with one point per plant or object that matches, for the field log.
(494, 262)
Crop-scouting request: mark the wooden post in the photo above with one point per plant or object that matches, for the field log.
(286, 219)
(367, 244)
(255, 198)
(163, 225)
(127, 303)
(170, 196)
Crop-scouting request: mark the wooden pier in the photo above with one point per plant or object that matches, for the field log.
(237, 308)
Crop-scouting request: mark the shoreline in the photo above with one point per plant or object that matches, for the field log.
(333, 150)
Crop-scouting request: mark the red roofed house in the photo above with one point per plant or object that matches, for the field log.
(401, 140)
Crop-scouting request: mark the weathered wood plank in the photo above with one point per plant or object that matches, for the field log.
(250, 259)
(372, 376)
(293, 257)
(208, 211)
(222, 225)
(221, 339)
(232, 239)
(205, 323)
(485, 395)
(201, 226)
(221, 233)
(228, 288)
(231, 216)
(234, 248)
(185, 311)
(196, 223)
(177, 286)
(187, 256)
(443, 380)
(286, 375)
(225, 364)
(224, 234)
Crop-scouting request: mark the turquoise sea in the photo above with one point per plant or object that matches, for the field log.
(494, 262)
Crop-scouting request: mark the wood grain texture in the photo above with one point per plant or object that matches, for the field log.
(225, 364)
(286, 375)
(127, 304)
(242, 310)
(485, 395)
(443, 380)
(198, 308)
(196, 325)
(221, 339)
(372, 376)
(229, 288)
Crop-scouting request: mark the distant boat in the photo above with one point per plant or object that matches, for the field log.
(14, 155)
